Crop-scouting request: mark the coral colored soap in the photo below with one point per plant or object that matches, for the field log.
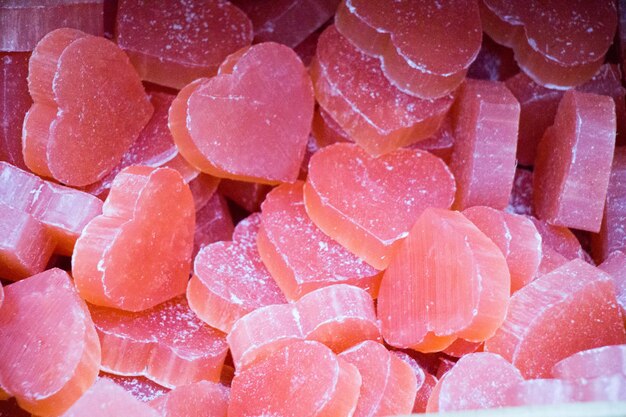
(388, 383)
(298, 254)
(592, 363)
(350, 194)
(486, 119)
(14, 103)
(167, 343)
(563, 312)
(615, 266)
(424, 47)
(447, 279)
(302, 379)
(573, 162)
(137, 254)
(174, 42)
(352, 88)
(45, 314)
(77, 131)
(200, 399)
(267, 86)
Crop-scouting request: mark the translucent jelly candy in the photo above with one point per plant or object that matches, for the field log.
(326, 130)
(338, 196)
(44, 314)
(137, 254)
(516, 236)
(446, 280)
(68, 133)
(615, 266)
(14, 103)
(592, 363)
(494, 62)
(351, 87)
(300, 257)
(425, 381)
(247, 195)
(230, 279)
(558, 44)
(213, 223)
(266, 85)
(200, 399)
(441, 142)
(167, 343)
(425, 48)
(565, 311)
(202, 188)
(521, 199)
(478, 380)
(462, 347)
(486, 119)
(107, 399)
(287, 21)
(573, 162)
(25, 22)
(388, 384)
(302, 379)
(176, 41)
(140, 387)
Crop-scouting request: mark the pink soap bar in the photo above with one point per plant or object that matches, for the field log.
(229, 279)
(247, 195)
(167, 343)
(352, 88)
(45, 314)
(563, 312)
(213, 223)
(560, 239)
(615, 266)
(425, 381)
(388, 384)
(494, 62)
(287, 21)
(486, 119)
(107, 399)
(138, 386)
(326, 130)
(299, 255)
(202, 188)
(14, 103)
(25, 22)
(521, 199)
(592, 363)
(200, 399)
(441, 143)
(174, 42)
(342, 180)
(425, 48)
(302, 379)
(573, 162)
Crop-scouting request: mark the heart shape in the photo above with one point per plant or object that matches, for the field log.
(137, 254)
(251, 121)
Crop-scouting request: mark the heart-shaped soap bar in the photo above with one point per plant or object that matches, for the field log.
(137, 254)
(89, 107)
(251, 121)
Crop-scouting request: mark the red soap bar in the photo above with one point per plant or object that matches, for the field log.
(68, 131)
(302, 379)
(615, 266)
(521, 199)
(25, 22)
(573, 162)
(200, 399)
(388, 384)
(137, 254)
(213, 223)
(338, 196)
(45, 314)
(433, 292)
(14, 103)
(352, 88)
(138, 386)
(175, 41)
(229, 279)
(592, 363)
(167, 344)
(486, 119)
(247, 195)
(267, 86)
(298, 254)
(425, 48)
(563, 312)
(494, 62)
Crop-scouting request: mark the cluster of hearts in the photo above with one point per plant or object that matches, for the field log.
(429, 199)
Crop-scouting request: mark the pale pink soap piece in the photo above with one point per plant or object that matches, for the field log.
(477, 381)
(229, 279)
(349, 195)
(299, 255)
(287, 21)
(615, 266)
(167, 343)
(425, 48)
(45, 314)
(14, 103)
(592, 363)
(570, 309)
(521, 199)
(486, 119)
(573, 162)
(351, 87)
(388, 384)
(200, 399)
(176, 41)
(139, 387)
(339, 316)
(25, 22)
(107, 399)
(541, 392)
(213, 223)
